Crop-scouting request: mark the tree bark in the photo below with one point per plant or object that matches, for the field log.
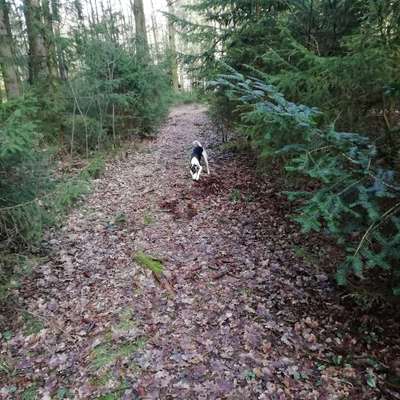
(49, 39)
(7, 55)
(38, 56)
(62, 66)
(142, 44)
(172, 48)
(155, 29)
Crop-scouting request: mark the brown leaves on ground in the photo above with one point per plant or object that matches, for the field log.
(239, 311)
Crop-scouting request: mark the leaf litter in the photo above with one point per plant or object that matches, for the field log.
(227, 310)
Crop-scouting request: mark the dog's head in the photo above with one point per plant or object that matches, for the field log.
(196, 143)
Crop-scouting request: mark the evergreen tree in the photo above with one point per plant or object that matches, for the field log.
(274, 61)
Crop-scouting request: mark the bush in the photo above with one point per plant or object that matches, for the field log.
(32, 198)
(23, 168)
(357, 198)
(109, 105)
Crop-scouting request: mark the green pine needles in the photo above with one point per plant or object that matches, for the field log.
(356, 200)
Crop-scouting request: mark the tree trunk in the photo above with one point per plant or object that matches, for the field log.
(155, 29)
(7, 55)
(49, 39)
(172, 48)
(38, 57)
(62, 66)
(142, 44)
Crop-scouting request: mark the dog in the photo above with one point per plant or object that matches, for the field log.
(198, 154)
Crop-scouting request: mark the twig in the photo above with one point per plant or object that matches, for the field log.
(143, 193)
(220, 275)
(375, 225)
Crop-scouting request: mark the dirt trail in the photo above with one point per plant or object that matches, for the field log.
(236, 315)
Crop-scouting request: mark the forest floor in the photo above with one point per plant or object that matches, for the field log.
(239, 310)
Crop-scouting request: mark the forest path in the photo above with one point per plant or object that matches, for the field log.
(236, 315)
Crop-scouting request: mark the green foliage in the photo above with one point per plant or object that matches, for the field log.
(5, 368)
(18, 129)
(24, 175)
(120, 219)
(148, 218)
(337, 55)
(185, 97)
(32, 325)
(341, 57)
(356, 199)
(235, 196)
(94, 92)
(63, 393)
(13, 267)
(31, 393)
(21, 161)
(115, 95)
(23, 224)
(94, 169)
(149, 262)
(111, 352)
(105, 354)
(65, 195)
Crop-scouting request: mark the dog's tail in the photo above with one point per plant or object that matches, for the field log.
(196, 143)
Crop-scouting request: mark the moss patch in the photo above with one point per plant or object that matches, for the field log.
(108, 353)
(149, 262)
(32, 325)
(31, 393)
(126, 321)
(148, 219)
(113, 350)
(5, 367)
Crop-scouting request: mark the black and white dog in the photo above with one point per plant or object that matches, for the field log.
(198, 154)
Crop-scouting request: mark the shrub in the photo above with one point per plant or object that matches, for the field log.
(356, 199)
(109, 105)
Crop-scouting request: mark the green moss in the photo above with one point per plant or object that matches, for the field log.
(126, 322)
(235, 196)
(13, 268)
(148, 219)
(63, 393)
(102, 380)
(107, 354)
(148, 262)
(120, 218)
(116, 394)
(32, 325)
(111, 396)
(5, 367)
(31, 393)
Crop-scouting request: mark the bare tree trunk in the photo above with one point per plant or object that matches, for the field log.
(155, 29)
(172, 48)
(140, 25)
(7, 55)
(38, 57)
(62, 66)
(49, 40)
(1, 88)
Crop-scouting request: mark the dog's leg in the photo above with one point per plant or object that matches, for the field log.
(206, 162)
(199, 172)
